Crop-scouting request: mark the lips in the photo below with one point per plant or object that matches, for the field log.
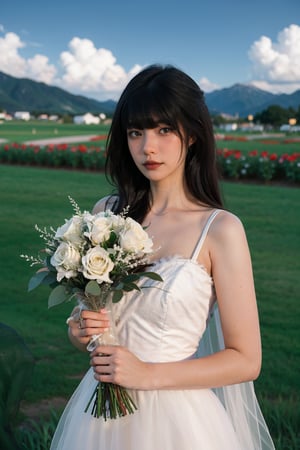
(152, 165)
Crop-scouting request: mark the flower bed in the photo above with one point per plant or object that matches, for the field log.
(265, 166)
(234, 164)
(61, 155)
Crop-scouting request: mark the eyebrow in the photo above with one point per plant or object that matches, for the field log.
(154, 125)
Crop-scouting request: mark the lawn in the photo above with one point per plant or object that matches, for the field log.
(271, 216)
(20, 131)
(278, 145)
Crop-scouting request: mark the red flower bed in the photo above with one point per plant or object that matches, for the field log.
(233, 163)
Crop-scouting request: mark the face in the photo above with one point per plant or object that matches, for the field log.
(157, 152)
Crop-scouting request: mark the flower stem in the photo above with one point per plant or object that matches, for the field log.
(110, 401)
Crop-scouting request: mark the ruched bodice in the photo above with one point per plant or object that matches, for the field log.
(167, 319)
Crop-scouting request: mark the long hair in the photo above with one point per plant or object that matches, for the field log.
(166, 95)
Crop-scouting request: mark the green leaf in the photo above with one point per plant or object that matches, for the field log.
(152, 275)
(132, 277)
(118, 294)
(130, 287)
(92, 288)
(58, 295)
(50, 279)
(37, 279)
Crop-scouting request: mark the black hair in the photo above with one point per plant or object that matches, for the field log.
(166, 95)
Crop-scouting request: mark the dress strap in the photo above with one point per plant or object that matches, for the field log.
(204, 234)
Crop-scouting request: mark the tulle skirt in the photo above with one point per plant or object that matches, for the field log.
(165, 420)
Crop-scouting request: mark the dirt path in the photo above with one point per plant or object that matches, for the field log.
(62, 140)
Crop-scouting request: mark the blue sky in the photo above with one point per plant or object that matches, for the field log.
(93, 48)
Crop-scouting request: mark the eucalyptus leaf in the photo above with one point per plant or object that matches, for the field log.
(58, 295)
(50, 279)
(117, 295)
(37, 279)
(93, 288)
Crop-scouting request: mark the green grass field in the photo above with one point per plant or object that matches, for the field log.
(271, 216)
(20, 131)
(279, 146)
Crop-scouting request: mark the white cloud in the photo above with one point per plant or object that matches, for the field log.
(10, 60)
(92, 70)
(38, 68)
(85, 69)
(276, 65)
(1, 28)
(207, 85)
(276, 88)
(12, 63)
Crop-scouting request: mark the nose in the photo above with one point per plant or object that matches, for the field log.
(149, 143)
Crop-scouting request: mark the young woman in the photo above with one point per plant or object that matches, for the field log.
(188, 351)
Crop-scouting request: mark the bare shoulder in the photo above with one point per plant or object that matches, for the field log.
(105, 203)
(228, 245)
(226, 227)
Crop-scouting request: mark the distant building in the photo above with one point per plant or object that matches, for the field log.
(87, 119)
(229, 126)
(22, 115)
(290, 128)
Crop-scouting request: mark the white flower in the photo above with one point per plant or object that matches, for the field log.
(97, 265)
(71, 231)
(66, 260)
(99, 228)
(134, 239)
(117, 223)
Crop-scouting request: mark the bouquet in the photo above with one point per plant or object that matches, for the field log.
(95, 258)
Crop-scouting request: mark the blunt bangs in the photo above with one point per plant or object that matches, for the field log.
(147, 108)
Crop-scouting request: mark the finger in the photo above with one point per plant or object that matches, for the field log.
(102, 325)
(101, 360)
(105, 350)
(72, 320)
(101, 315)
(104, 369)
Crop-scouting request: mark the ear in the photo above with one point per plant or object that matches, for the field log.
(191, 140)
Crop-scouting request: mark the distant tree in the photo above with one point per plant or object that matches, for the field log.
(66, 118)
(218, 120)
(275, 115)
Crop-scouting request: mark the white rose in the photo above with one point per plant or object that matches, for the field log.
(117, 223)
(99, 229)
(71, 231)
(97, 265)
(66, 260)
(134, 238)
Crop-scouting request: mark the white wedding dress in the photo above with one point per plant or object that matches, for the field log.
(160, 325)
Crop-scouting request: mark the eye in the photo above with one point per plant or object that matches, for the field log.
(133, 133)
(165, 130)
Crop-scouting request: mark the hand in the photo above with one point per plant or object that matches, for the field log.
(116, 364)
(83, 324)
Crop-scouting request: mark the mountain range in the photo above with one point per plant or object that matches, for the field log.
(23, 94)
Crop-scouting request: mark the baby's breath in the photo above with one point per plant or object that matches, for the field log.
(47, 236)
(33, 260)
(76, 208)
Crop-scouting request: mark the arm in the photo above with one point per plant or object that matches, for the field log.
(240, 361)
